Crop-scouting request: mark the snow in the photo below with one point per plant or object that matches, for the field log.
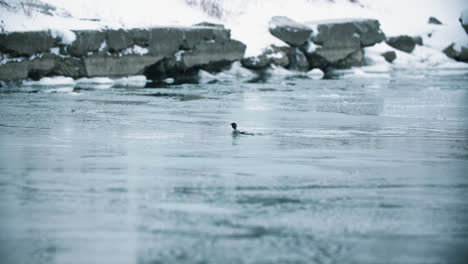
(67, 36)
(96, 80)
(103, 46)
(55, 51)
(135, 50)
(235, 73)
(179, 54)
(51, 81)
(316, 74)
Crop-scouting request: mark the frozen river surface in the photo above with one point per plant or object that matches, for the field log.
(339, 171)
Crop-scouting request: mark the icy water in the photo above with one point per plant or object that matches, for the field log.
(356, 170)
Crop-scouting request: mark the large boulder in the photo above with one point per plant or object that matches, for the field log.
(340, 42)
(86, 41)
(367, 31)
(403, 43)
(46, 65)
(464, 20)
(27, 43)
(210, 51)
(456, 52)
(289, 31)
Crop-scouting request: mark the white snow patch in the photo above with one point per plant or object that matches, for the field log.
(55, 51)
(169, 80)
(236, 73)
(51, 81)
(135, 50)
(96, 80)
(178, 55)
(134, 81)
(103, 46)
(316, 74)
(67, 36)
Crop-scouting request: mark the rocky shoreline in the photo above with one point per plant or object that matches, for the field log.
(179, 52)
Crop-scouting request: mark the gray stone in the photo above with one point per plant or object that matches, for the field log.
(140, 37)
(289, 31)
(209, 52)
(165, 41)
(366, 30)
(116, 66)
(403, 43)
(27, 43)
(389, 56)
(435, 21)
(341, 42)
(297, 59)
(118, 40)
(86, 41)
(460, 54)
(193, 36)
(47, 65)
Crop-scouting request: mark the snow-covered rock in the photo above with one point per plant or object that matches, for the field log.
(289, 31)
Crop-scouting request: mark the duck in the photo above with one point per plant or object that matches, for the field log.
(237, 132)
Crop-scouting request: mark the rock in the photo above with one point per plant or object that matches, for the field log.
(389, 56)
(166, 50)
(298, 61)
(418, 40)
(289, 31)
(341, 42)
(355, 59)
(457, 53)
(47, 65)
(464, 20)
(118, 40)
(435, 21)
(208, 24)
(210, 51)
(403, 43)
(98, 65)
(256, 62)
(86, 41)
(140, 37)
(27, 43)
(366, 30)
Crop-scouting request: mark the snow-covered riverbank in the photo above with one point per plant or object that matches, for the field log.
(248, 22)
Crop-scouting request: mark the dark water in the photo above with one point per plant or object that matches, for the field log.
(339, 171)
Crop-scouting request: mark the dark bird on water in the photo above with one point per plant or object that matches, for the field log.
(236, 132)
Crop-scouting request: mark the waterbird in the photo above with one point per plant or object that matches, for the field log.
(237, 132)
